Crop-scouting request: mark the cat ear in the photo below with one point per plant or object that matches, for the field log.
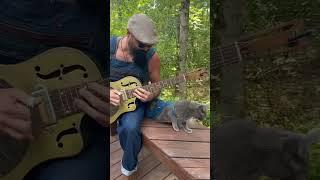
(313, 136)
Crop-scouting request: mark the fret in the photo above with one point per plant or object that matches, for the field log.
(147, 88)
(164, 83)
(151, 88)
(171, 82)
(226, 55)
(69, 99)
(56, 102)
(76, 92)
(65, 93)
(59, 94)
(72, 91)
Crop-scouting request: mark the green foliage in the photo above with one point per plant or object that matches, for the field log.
(279, 92)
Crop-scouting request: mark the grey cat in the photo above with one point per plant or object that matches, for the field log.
(244, 151)
(181, 112)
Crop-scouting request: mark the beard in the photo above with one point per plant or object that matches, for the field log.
(139, 57)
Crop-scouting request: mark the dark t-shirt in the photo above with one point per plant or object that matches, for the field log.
(30, 21)
(28, 28)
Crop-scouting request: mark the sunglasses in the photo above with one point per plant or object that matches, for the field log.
(142, 45)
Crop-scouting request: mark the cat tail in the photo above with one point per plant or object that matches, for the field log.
(164, 115)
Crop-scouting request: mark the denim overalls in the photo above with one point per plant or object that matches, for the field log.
(49, 17)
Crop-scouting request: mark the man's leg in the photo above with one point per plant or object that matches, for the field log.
(130, 139)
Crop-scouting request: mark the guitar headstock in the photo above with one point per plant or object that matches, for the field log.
(284, 38)
(198, 74)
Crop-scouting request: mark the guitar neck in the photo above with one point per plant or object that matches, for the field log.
(155, 87)
(63, 99)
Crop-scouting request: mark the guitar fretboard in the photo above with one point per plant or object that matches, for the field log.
(226, 55)
(63, 99)
(154, 87)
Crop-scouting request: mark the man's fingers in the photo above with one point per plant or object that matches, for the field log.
(139, 94)
(17, 134)
(115, 97)
(115, 103)
(99, 117)
(12, 133)
(143, 91)
(93, 100)
(20, 111)
(19, 125)
(20, 96)
(100, 89)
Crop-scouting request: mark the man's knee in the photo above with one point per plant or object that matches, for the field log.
(131, 128)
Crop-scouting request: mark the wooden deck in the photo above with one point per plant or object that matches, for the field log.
(166, 154)
(186, 155)
(149, 167)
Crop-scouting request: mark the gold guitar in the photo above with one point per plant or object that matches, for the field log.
(128, 84)
(55, 75)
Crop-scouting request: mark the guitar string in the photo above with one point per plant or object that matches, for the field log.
(217, 55)
(240, 45)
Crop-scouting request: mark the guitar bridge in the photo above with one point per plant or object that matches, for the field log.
(47, 113)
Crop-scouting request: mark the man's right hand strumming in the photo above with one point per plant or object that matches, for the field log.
(115, 97)
(15, 116)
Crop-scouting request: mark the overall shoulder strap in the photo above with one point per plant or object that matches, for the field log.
(113, 45)
(150, 53)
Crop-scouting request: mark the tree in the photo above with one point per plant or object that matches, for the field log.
(183, 39)
(231, 86)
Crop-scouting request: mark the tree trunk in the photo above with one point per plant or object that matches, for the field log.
(231, 84)
(183, 41)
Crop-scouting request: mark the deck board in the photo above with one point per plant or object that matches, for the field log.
(156, 133)
(186, 155)
(149, 167)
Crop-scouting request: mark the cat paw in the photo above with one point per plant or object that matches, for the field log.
(187, 130)
(176, 129)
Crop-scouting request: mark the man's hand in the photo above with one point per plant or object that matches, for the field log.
(91, 104)
(143, 94)
(114, 97)
(15, 116)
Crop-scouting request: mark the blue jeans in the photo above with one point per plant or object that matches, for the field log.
(129, 131)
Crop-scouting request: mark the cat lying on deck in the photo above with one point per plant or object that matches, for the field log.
(182, 111)
(243, 151)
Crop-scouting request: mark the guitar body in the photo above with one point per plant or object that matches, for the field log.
(54, 69)
(127, 105)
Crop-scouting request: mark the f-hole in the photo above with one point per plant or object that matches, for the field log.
(65, 132)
